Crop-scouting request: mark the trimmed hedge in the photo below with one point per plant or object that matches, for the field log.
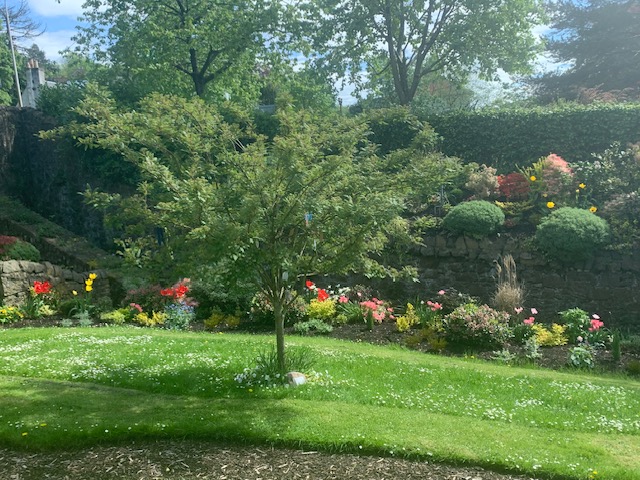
(508, 138)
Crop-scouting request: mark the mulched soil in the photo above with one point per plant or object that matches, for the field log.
(187, 459)
(200, 460)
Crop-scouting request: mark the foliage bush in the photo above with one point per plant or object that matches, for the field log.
(12, 248)
(322, 310)
(314, 325)
(148, 297)
(477, 326)
(550, 337)
(482, 182)
(571, 234)
(476, 218)
(178, 316)
(396, 128)
(408, 320)
(511, 137)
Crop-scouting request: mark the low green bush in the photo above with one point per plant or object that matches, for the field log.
(571, 234)
(12, 248)
(477, 326)
(477, 218)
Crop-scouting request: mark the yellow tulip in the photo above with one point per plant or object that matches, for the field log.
(74, 292)
(533, 178)
(593, 209)
(88, 288)
(550, 204)
(93, 276)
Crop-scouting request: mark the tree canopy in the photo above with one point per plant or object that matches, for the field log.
(176, 46)
(415, 38)
(600, 41)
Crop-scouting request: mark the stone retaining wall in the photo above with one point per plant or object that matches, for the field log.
(17, 276)
(608, 284)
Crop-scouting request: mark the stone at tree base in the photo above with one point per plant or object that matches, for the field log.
(296, 378)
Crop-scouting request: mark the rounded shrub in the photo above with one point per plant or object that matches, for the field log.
(477, 327)
(476, 218)
(571, 234)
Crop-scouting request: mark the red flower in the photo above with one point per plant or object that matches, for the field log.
(41, 288)
(180, 291)
(167, 292)
(322, 295)
(310, 285)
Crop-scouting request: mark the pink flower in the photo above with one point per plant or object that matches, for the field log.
(136, 307)
(529, 321)
(343, 299)
(595, 325)
(441, 292)
(596, 316)
(534, 311)
(436, 306)
(518, 310)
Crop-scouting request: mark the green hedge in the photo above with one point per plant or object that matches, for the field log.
(508, 138)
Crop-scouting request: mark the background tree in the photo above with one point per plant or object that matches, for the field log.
(600, 40)
(177, 46)
(413, 39)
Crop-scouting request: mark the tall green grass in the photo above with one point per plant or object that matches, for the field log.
(62, 388)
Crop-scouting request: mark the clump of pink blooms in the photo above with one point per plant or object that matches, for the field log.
(379, 311)
(596, 323)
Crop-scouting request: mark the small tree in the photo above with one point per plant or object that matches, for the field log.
(312, 201)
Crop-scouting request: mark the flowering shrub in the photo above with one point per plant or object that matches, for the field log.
(477, 326)
(38, 300)
(584, 329)
(10, 314)
(477, 218)
(449, 299)
(148, 298)
(571, 234)
(482, 182)
(377, 309)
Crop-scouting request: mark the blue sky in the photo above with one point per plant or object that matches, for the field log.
(59, 19)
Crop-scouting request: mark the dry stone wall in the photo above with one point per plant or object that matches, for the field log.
(608, 284)
(17, 276)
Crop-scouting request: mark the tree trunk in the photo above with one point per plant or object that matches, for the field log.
(278, 312)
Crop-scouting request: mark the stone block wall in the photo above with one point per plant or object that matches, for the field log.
(607, 284)
(17, 276)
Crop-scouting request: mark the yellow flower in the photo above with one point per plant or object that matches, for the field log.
(582, 185)
(533, 178)
(88, 288)
(93, 276)
(74, 292)
(88, 281)
(550, 204)
(593, 209)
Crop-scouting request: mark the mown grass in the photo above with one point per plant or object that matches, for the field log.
(64, 388)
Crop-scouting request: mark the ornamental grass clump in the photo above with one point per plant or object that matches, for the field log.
(477, 327)
(477, 218)
(571, 234)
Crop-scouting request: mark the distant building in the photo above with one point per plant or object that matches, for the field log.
(35, 81)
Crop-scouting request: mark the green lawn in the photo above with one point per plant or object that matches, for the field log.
(63, 388)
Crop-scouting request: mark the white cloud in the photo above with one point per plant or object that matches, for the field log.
(51, 8)
(51, 43)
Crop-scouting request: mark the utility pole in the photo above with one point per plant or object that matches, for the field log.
(13, 53)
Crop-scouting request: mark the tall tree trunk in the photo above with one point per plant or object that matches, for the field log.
(278, 312)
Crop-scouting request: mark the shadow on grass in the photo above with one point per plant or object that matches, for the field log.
(46, 415)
